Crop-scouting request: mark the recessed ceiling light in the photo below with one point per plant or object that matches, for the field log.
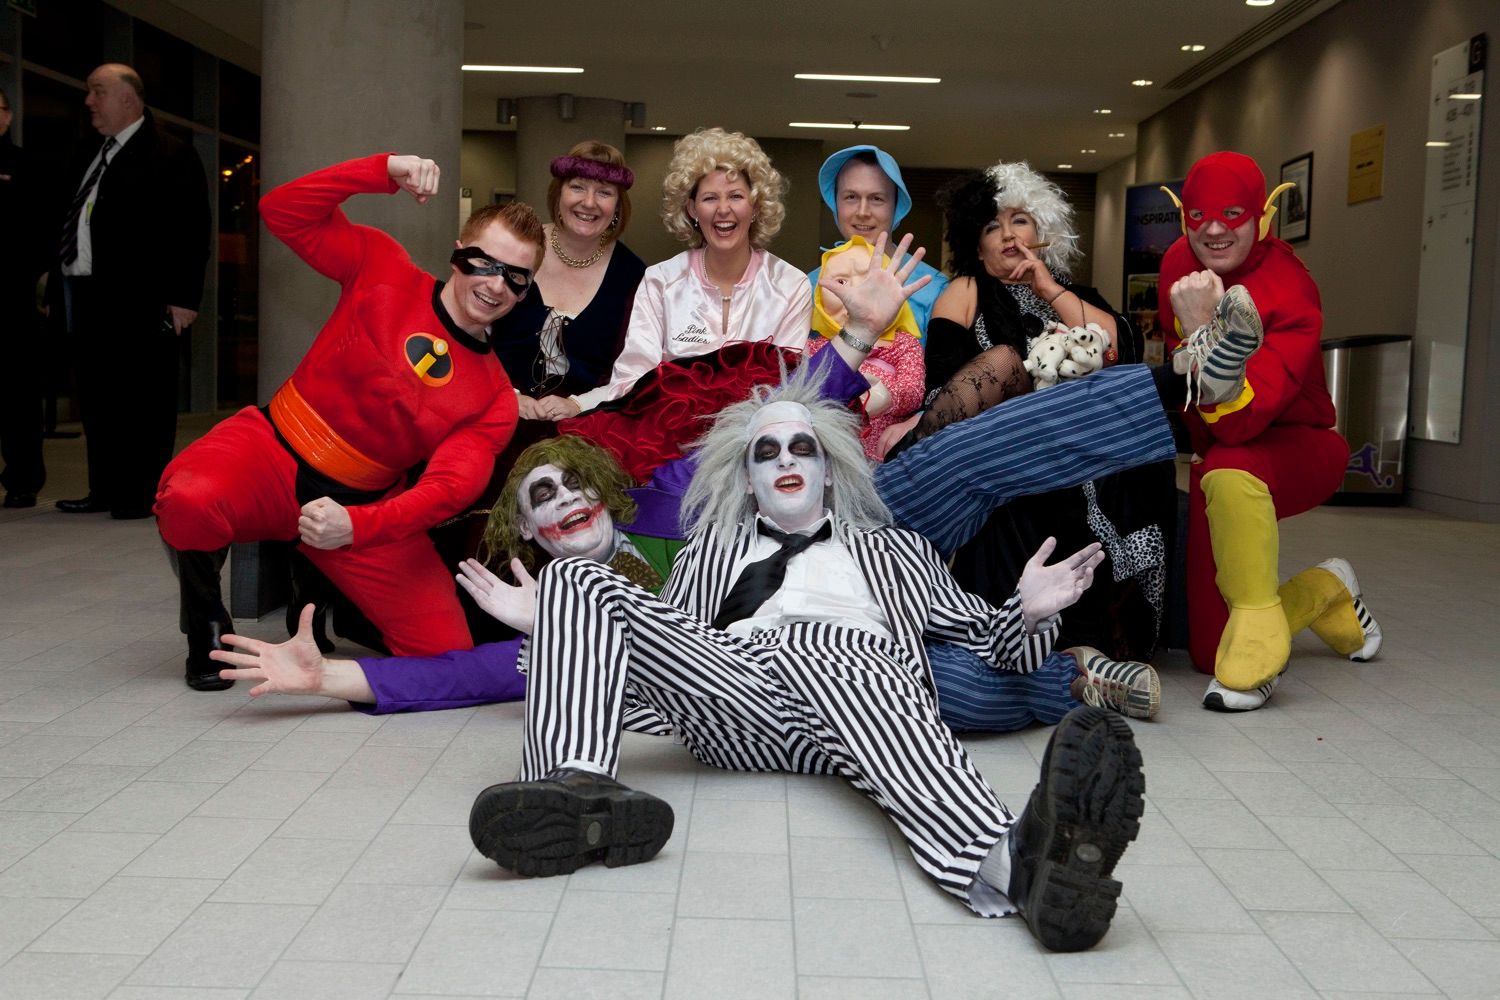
(1464, 97)
(1088, 151)
(857, 78)
(1140, 83)
(658, 128)
(1065, 166)
(1259, 3)
(1438, 143)
(1193, 47)
(862, 126)
(476, 68)
(1103, 111)
(1117, 135)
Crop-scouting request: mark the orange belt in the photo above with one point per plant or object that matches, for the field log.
(320, 445)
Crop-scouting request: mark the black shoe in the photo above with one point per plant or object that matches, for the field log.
(20, 500)
(567, 819)
(204, 616)
(85, 505)
(1084, 812)
(202, 672)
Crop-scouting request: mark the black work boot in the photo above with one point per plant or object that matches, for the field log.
(309, 586)
(1084, 812)
(566, 820)
(204, 617)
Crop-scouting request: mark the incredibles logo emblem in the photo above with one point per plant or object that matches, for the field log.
(429, 358)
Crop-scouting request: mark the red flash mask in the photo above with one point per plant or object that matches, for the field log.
(1221, 181)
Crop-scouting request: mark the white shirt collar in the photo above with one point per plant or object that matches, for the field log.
(123, 136)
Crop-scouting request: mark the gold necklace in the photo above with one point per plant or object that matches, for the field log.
(588, 261)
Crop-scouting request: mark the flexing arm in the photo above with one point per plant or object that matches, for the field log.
(305, 214)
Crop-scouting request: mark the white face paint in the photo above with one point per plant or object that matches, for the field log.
(562, 517)
(788, 474)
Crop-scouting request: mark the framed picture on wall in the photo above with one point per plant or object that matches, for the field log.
(1295, 217)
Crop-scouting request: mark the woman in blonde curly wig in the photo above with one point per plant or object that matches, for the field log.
(723, 198)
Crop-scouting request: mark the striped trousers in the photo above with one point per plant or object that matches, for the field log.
(946, 485)
(809, 698)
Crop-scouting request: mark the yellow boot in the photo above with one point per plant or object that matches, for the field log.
(1327, 599)
(1256, 642)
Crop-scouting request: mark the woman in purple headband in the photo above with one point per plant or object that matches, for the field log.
(562, 339)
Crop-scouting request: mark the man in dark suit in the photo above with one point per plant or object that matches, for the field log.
(133, 247)
(24, 256)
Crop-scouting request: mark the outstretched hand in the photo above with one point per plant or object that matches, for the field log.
(1046, 590)
(291, 667)
(515, 606)
(417, 177)
(874, 302)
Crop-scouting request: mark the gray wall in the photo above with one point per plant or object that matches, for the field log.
(1356, 66)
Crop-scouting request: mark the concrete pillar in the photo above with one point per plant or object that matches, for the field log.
(542, 135)
(339, 81)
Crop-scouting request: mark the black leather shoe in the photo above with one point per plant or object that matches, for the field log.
(202, 673)
(85, 505)
(566, 820)
(15, 500)
(1084, 812)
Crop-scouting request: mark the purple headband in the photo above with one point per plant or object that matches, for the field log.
(565, 167)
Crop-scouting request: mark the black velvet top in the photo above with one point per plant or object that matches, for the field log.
(591, 339)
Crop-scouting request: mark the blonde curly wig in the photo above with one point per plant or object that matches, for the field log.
(706, 150)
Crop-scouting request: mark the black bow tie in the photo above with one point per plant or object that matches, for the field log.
(759, 580)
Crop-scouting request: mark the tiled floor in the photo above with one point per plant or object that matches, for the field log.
(160, 843)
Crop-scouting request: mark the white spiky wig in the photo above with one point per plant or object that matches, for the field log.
(719, 494)
(1018, 186)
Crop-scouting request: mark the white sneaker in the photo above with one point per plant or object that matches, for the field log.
(1341, 569)
(1214, 356)
(1125, 686)
(1219, 698)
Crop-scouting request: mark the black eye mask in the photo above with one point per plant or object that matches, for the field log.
(474, 261)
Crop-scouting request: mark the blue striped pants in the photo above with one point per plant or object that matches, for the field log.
(974, 697)
(946, 485)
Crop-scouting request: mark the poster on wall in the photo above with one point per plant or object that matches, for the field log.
(1444, 276)
(1152, 224)
(1294, 220)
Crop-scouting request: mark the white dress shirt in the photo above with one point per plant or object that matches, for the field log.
(823, 584)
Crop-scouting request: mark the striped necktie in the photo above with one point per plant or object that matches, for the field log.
(75, 211)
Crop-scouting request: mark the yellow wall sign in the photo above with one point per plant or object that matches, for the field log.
(1366, 164)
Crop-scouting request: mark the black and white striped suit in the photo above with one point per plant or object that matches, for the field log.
(806, 697)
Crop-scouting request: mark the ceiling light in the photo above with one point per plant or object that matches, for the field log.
(1065, 166)
(1193, 47)
(857, 78)
(1259, 3)
(1464, 97)
(476, 68)
(1088, 151)
(862, 126)
(1140, 83)
(1103, 111)
(1117, 135)
(658, 128)
(1438, 143)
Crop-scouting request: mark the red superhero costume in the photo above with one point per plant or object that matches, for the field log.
(1268, 454)
(390, 382)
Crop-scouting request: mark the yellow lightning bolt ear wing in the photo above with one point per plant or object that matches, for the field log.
(1268, 211)
(1181, 212)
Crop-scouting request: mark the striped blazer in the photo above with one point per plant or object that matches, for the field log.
(918, 596)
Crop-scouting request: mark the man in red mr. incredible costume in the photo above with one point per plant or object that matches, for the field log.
(401, 374)
(1263, 426)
